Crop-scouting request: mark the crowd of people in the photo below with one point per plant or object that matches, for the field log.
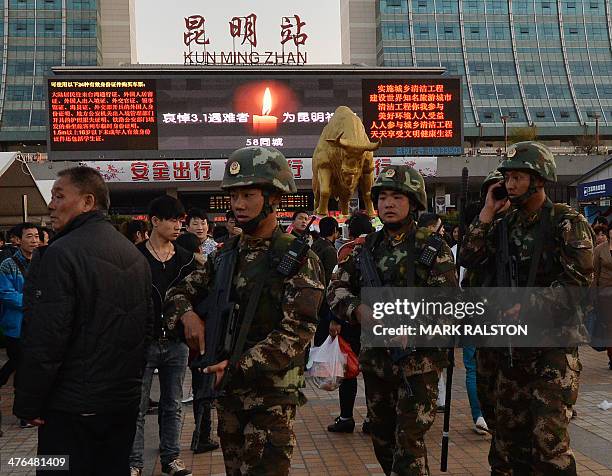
(91, 314)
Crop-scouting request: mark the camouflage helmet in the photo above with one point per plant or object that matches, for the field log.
(494, 176)
(258, 167)
(402, 179)
(531, 157)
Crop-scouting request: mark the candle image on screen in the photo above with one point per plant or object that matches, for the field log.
(265, 123)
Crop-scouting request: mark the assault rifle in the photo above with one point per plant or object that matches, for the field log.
(507, 265)
(221, 320)
(371, 278)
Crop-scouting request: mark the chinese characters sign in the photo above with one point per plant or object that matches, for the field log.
(413, 113)
(212, 170)
(102, 115)
(238, 32)
(243, 31)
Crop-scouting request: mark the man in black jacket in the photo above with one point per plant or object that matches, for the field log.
(169, 264)
(87, 320)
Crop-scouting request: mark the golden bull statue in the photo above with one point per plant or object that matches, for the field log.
(342, 161)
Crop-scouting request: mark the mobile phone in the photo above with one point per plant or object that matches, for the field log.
(500, 192)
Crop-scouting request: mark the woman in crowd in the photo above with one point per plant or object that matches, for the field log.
(601, 234)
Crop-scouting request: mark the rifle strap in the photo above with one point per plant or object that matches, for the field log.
(411, 265)
(227, 260)
(503, 251)
(542, 234)
(367, 251)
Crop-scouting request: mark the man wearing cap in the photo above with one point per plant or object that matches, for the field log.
(258, 405)
(553, 249)
(401, 394)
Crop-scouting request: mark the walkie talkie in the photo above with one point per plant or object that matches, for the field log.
(293, 259)
(433, 245)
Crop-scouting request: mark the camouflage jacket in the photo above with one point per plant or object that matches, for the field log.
(566, 260)
(390, 255)
(567, 257)
(270, 371)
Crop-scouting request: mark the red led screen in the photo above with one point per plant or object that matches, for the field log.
(414, 112)
(103, 115)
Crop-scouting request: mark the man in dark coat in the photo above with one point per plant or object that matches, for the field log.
(87, 320)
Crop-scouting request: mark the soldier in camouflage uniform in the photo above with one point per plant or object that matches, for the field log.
(258, 405)
(536, 388)
(487, 358)
(400, 414)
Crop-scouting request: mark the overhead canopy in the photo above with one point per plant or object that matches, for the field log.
(16, 180)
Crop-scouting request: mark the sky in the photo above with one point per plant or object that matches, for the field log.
(160, 26)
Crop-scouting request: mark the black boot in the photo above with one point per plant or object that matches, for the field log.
(365, 427)
(201, 442)
(342, 426)
(204, 445)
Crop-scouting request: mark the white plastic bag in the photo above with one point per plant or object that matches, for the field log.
(605, 405)
(326, 364)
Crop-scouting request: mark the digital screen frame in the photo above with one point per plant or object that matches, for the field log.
(209, 115)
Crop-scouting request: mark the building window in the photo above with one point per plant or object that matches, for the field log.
(573, 30)
(394, 3)
(545, 5)
(513, 114)
(524, 30)
(540, 114)
(594, 5)
(564, 114)
(422, 4)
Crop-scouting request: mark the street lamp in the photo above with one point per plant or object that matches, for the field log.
(596, 116)
(504, 119)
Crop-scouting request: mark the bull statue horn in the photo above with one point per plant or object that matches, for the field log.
(337, 141)
(369, 147)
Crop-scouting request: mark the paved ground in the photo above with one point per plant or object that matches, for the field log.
(320, 453)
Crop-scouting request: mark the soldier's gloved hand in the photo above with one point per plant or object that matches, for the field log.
(334, 328)
(363, 314)
(492, 206)
(194, 331)
(218, 370)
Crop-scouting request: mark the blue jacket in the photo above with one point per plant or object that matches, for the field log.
(11, 295)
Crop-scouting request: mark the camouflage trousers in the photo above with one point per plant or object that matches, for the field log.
(536, 391)
(259, 441)
(487, 363)
(401, 410)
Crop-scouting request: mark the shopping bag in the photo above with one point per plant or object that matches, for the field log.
(326, 365)
(351, 369)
